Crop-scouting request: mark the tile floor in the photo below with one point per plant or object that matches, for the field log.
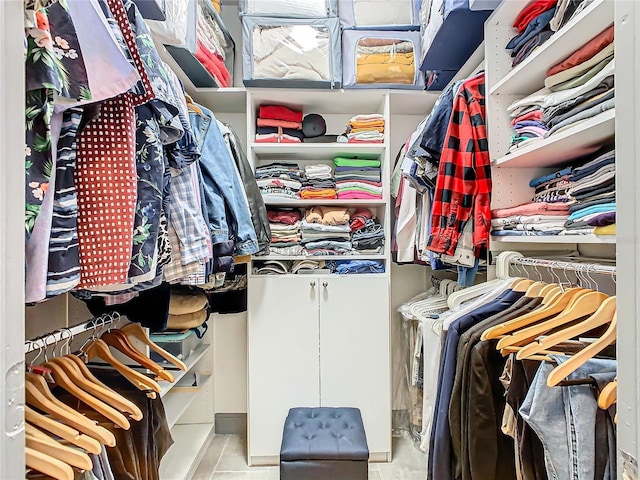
(226, 460)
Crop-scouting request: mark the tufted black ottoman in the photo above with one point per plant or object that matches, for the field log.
(324, 443)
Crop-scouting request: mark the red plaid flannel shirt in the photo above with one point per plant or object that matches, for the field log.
(463, 186)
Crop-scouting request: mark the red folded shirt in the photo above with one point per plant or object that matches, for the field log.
(270, 122)
(288, 217)
(213, 64)
(531, 11)
(536, 116)
(278, 112)
(584, 53)
(359, 218)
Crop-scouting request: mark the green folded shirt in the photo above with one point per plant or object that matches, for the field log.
(355, 162)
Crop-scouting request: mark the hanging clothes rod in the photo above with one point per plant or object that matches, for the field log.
(561, 265)
(70, 332)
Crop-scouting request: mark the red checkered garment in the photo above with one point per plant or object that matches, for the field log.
(463, 187)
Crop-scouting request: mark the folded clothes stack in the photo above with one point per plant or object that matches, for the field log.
(364, 129)
(592, 204)
(358, 178)
(356, 266)
(279, 180)
(283, 267)
(286, 237)
(367, 234)
(534, 29)
(576, 89)
(535, 218)
(326, 231)
(278, 124)
(318, 182)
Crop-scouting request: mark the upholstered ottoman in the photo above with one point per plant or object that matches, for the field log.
(324, 444)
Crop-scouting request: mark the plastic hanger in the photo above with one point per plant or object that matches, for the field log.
(120, 342)
(63, 381)
(99, 349)
(46, 464)
(584, 305)
(136, 331)
(44, 443)
(63, 431)
(602, 316)
(49, 404)
(609, 394)
(575, 361)
(96, 388)
(532, 317)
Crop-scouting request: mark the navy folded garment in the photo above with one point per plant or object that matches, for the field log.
(286, 131)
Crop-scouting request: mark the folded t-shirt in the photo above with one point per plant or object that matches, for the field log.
(278, 112)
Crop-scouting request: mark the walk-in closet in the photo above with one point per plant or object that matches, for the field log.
(341, 239)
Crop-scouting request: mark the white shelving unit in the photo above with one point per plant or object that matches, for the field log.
(529, 75)
(513, 170)
(189, 448)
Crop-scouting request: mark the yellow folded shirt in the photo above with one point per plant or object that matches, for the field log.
(395, 73)
(386, 58)
(608, 230)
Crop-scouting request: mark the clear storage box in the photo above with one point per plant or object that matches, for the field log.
(290, 8)
(180, 345)
(379, 14)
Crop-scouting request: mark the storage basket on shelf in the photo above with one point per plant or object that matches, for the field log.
(285, 52)
(381, 59)
(376, 14)
(288, 9)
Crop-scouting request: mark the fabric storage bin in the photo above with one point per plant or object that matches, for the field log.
(180, 345)
(290, 8)
(443, 47)
(179, 27)
(285, 52)
(379, 14)
(376, 59)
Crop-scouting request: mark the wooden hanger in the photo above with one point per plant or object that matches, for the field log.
(42, 442)
(534, 289)
(46, 464)
(63, 381)
(575, 361)
(551, 295)
(602, 316)
(120, 342)
(64, 413)
(609, 394)
(548, 288)
(99, 349)
(63, 431)
(192, 105)
(521, 284)
(136, 331)
(532, 317)
(95, 387)
(583, 306)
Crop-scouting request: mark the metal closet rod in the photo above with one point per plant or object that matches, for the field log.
(70, 332)
(569, 266)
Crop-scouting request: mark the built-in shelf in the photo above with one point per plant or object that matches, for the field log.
(529, 76)
(321, 257)
(564, 146)
(324, 202)
(189, 447)
(222, 100)
(178, 400)
(558, 239)
(197, 355)
(317, 151)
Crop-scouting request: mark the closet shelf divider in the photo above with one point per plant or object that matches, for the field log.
(564, 146)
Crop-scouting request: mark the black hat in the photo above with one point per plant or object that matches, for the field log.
(313, 125)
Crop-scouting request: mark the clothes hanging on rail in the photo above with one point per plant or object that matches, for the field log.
(144, 187)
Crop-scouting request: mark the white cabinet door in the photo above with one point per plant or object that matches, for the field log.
(354, 352)
(283, 361)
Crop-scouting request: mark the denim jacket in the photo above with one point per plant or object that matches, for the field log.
(227, 210)
(256, 202)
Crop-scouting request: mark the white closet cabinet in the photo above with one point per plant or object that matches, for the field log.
(318, 341)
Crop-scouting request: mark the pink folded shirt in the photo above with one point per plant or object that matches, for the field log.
(269, 122)
(353, 195)
(532, 208)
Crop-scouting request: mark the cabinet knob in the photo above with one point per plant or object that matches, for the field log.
(325, 284)
(313, 284)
